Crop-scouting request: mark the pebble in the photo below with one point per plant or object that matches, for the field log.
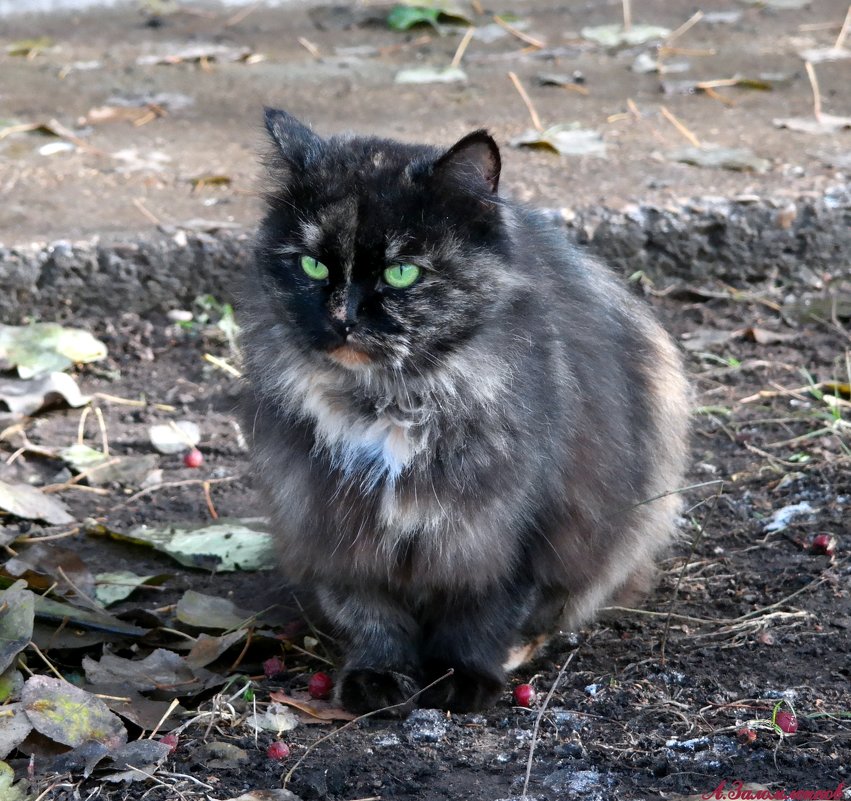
(589, 785)
(426, 726)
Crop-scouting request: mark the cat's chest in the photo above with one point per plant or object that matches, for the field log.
(372, 442)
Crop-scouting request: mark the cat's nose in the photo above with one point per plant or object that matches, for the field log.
(343, 325)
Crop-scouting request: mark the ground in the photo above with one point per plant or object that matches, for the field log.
(746, 615)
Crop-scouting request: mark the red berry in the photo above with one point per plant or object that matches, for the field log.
(746, 735)
(787, 721)
(278, 750)
(525, 695)
(272, 667)
(171, 741)
(193, 458)
(320, 685)
(824, 544)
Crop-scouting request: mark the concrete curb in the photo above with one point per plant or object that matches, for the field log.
(739, 240)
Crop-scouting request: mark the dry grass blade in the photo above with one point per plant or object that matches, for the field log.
(462, 48)
(536, 120)
(811, 74)
(537, 725)
(687, 25)
(627, 15)
(666, 113)
(523, 37)
(843, 32)
(309, 46)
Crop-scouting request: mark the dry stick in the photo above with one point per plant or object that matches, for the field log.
(321, 740)
(242, 14)
(103, 437)
(46, 660)
(309, 46)
(462, 48)
(679, 126)
(706, 518)
(627, 15)
(538, 720)
(81, 426)
(523, 37)
(166, 484)
(222, 365)
(160, 407)
(146, 212)
(689, 23)
(843, 33)
(210, 508)
(536, 120)
(811, 74)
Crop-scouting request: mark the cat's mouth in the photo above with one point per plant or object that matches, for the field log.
(350, 356)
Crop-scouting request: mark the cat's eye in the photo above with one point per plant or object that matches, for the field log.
(313, 268)
(401, 276)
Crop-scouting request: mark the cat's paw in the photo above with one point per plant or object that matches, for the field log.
(363, 690)
(466, 690)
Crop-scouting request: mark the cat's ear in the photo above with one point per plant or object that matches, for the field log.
(473, 159)
(296, 141)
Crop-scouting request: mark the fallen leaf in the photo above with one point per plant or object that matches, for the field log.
(823, 124)
(45, 565)
(27, 396)
(145, 755)
(11, 683)
(222, 756)
(762, 336)
(704, 338)
(164, 671)
(210, 612)
(117, 585)
(740, 159)
(208, 649)
(101, 469)
(404, 16)
(30, 503)
(224, 546)
(66, 714)
(210, 179)
(11, 791)
(199, 52)
(17, 614)
(265, 795)
(41, 348)
(15, 726)
(29, 47)
(276, 718)
(615, 35)
(431, 75)
(174, 437)
(315, 708)
(129, 704)
(646, 63)
(69, 618)
(567, 140)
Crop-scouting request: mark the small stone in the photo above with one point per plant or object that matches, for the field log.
(426, 726)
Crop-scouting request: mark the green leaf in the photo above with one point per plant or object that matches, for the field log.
(120, 584)
(616, 35)
(46, 347)
(9, 791)
(401, 18)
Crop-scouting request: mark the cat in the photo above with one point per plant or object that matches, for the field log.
(462, 425)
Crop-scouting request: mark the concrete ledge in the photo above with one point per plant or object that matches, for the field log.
(740, 240)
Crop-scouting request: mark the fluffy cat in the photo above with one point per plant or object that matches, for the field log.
(457, 420)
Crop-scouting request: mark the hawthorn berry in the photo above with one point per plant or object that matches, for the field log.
(278, 750)
(525, 695)
(824, 544)
(320, 686)
(272, 667)
(171, 740)
(193, 458)
(786, 721)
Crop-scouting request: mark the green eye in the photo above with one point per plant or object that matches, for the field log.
(401, 276)
(313, 268)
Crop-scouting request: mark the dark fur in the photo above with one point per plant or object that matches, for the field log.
(475, 485)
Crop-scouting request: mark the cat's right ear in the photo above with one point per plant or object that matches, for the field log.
(296, 142)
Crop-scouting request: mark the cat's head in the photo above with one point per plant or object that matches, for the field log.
(378, 255)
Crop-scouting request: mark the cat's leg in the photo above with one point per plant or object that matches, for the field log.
(481, 637)
(382, 663)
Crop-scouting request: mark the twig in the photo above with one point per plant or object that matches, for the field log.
(222, 364)
(688, 24)
(523, 37)
(309, 46)
(811, 74)
(47, 662)
(538, 720)
(81, 426)
(103, 436)
(351, 723)
(697, 538)
(627, 26)
(66, 133)
(242, 14)
(843, 33)
(160, 407)
(680, 127)
(210, 508)
(462, 47)
(146, 212)
(536, 120)
(167, 484)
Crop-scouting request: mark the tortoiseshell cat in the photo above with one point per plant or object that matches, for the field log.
(456, 418)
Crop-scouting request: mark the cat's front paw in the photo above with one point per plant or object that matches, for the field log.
(466, 690)
(363, 690)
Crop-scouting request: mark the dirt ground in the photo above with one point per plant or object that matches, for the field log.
(746, 615)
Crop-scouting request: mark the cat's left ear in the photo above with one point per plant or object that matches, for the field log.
(473, 159)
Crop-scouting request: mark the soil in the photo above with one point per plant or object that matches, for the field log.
(653, 700)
